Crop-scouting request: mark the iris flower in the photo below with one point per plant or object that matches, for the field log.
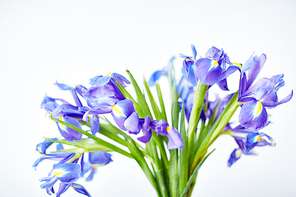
(161, 127)
(213, 68)
(247, 139)
(187, 66)
(262, 95)
(159, 73)
(67, 173)
(95, 159)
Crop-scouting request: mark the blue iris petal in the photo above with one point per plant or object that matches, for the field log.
(175, 139)
(67, 172)
(155, 77)
(146, 130)
(80, 189)
(253, 115)
(95, 124)
(121, 111)
(132, 123)
(235, 155)
(62, 188)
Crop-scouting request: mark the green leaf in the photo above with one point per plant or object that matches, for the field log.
(85, 143)
(106, 131)
(183, 153)
(152, 101)
(157, 139)
(138, 156)
(218, 126)
(193, 175)
(128, 96)
(140, 97)
(160, 98)
(196, 110)
(173, 163)
(100, 141)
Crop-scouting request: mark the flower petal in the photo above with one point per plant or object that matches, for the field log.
(80, 189)
(155, 77)
(132, 123)
(175, 139)
(67, 172)
(95, 124)
(253, 115)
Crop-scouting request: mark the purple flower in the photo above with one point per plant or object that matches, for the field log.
(77, 89)
(213, 68)
(187, 66)
(95, 159)
(257, 139)
(125, 116)
(146, 130)
(67, 132)
(159, 73)
(162, 127)
(66, 173)
(101, 80)
(262, 95)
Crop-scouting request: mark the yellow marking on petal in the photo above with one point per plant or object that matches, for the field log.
(258, 108)
(96, 166)
(116, 110)
(168, 129)
(75, 86)
(188, 59)
(238, 153)
(214, 63)
(39, 150)
(238, 65)
(58, 172)
(109, 74)
(257, 138)
(61, 119)
(76, 186)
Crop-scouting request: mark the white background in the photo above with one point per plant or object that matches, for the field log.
(72, 41)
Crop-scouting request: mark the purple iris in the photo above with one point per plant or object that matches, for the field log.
(101, 80)
(126, 117)
(159, 73)
(95, 159)
(257, 139)
(77, 187)
(213, 68)
(66, 173)
(77, 89)
(187, 66)
(61, 109)
(62, 157)
(247, 139)
(257, 98)
(162, 127)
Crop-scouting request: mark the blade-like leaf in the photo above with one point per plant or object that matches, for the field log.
(140, 96)
(128, 96)
(85, 143)
(100, 141)
(183, 153)
(152, 101)
(160, 98)
(193, 175)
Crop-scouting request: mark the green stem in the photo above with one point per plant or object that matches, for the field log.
(217, 128)
(196, 110)
(183, 154)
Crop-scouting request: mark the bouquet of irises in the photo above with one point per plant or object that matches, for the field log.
(169, 147)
